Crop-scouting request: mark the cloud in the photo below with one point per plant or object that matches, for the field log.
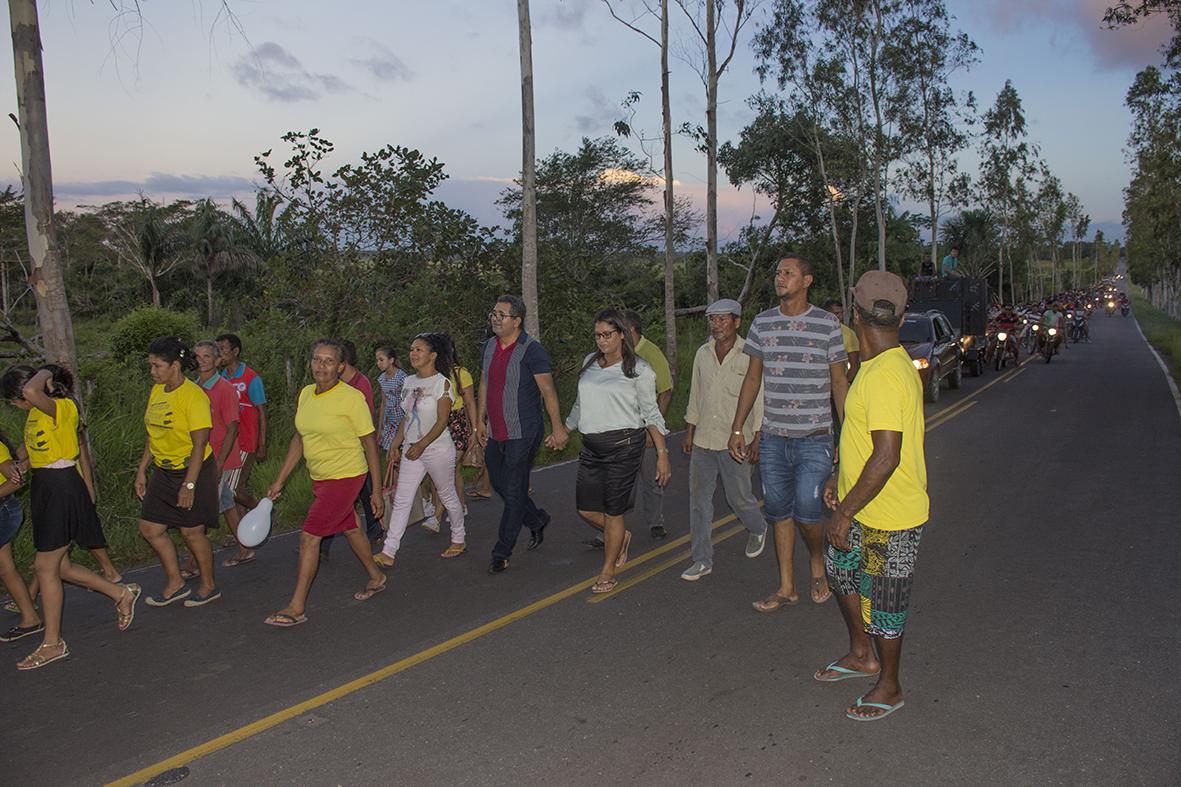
(158, 183)
(383, 64)
(1134, 46)
(600, 115)
(279, 75)
(564, 15)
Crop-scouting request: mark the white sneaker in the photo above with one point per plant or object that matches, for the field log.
(428, 508)
(755, 544)
(696, 572)
(430, 524)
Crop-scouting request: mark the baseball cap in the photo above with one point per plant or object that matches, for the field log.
(724, 306)
(881, 293)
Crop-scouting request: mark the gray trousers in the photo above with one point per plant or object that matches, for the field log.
(651, 493)
(704, 468)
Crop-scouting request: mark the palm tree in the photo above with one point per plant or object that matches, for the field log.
(216, 246)
(261, 231)
(146, 237)
(975, 233)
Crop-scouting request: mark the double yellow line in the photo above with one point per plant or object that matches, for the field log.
(962, 406)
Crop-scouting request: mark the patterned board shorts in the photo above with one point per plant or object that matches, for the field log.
(879, 566)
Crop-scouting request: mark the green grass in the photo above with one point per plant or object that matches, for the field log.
(1163, 332)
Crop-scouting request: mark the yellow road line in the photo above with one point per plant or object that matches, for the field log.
(659, 567)
(1015, 374)
(267, 722)
(967, 406)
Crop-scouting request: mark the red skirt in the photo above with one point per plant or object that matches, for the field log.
(332, 509)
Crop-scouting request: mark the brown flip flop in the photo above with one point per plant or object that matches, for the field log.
(774, 602)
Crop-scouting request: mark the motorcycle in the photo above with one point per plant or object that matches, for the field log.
(1049, 343)
(1124, 309)
(1110, 308)
(1078, 328)
(1004, 344)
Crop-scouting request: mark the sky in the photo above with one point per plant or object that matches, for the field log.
(177, 102)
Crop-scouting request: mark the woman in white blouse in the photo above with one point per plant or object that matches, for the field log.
(616, 405)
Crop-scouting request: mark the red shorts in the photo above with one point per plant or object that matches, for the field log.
(332, 509)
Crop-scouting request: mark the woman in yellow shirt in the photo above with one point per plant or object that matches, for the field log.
(182, 492)
(334, 435)
(62, 503)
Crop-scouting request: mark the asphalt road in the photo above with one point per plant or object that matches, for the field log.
(1041, 647)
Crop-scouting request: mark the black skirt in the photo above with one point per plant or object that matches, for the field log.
(159, 505)
(62, 510)
(607, 468)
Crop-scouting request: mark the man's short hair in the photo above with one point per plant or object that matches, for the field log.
(516, 305)
(634, 321)
(832, 302)
(880, 320)
(348, 352)
(230, 339)
(805, 263)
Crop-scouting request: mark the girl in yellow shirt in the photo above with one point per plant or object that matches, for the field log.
(182, 492)
(62, 503)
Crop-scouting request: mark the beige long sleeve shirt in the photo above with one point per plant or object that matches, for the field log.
(713, 396)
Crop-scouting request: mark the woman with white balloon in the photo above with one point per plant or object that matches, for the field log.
(334, 435)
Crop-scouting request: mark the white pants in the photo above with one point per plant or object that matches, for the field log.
(438, 460)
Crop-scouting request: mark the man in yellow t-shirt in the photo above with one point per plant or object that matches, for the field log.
(879, 500)
(848, 336)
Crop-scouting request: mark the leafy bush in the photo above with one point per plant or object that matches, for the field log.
(134, 331)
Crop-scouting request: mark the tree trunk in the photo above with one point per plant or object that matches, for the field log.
(528, 176)
(670, 295)
(45, 277)
(933, 211)
(208, 295)
(832, 221)
(4, 285)
(711, 173)
(155, 291)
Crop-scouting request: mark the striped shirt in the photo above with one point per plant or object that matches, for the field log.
(796, 353)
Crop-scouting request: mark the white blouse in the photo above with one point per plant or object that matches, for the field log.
(420, 403)
(609, 400)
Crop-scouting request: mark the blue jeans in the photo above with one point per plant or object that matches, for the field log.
(509, 464)
(12, 515)
(793, 471)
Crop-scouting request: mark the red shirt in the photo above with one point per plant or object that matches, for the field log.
(495, 389)
(250, 395)
(362, 384)
(223, 406)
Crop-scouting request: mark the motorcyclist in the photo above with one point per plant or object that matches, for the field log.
(1008, 321)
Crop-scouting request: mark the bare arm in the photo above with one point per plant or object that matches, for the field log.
(260, 455)
(227, 445)
(35, 394)
(141, 473)
(840, 386)
(559, 434)
(372, 460)
(746, 400)
(887, 453)
(444, 410)
(482, 411)
(200, 438)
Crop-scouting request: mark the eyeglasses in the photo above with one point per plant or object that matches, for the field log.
(498, 316)
(605, 335)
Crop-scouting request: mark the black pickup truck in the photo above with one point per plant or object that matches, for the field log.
(964, 301)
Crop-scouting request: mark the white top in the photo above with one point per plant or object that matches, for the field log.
(420, 402)
(609, 400)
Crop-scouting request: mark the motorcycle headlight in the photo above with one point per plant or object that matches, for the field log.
(1037, 327)
(921, 363)
(1111, 304)
(1002, 336)
(1053, 331)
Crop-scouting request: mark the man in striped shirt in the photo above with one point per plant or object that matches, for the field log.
(797, 353)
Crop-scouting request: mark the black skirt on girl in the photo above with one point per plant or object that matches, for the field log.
(62, 510)
(164, 486)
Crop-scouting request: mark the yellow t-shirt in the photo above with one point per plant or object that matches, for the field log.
(457, 387)
(886, 395)
(850, 338)
(48, 439)
(5, 456)
(170, 419)
(331, 425)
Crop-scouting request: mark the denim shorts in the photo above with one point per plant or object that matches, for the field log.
(793, 471)
(12, 515)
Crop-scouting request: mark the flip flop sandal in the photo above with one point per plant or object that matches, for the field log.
(383, 560)
(236, 561)
(842, 674)
(621, 561)
(35, 660)
(455, 550)
(774, 602)
(880, 705)
(17, 632)
(816, 583)
(163, 601)
(604, 585)
(369, 592)
(10, 606)
(126, 618)
(284, 621)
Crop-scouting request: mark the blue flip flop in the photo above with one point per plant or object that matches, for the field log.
(887, 708)
(845, 674)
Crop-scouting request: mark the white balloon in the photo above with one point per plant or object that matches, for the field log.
(256, 525)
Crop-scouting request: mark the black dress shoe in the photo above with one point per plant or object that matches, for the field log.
(537, 535)
(497, 566)
(659, 532)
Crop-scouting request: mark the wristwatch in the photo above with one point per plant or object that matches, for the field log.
(189, 485)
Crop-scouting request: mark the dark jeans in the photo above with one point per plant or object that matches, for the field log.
(509, 463)
(372, 524)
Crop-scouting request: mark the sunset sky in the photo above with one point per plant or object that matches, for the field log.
(178, 107)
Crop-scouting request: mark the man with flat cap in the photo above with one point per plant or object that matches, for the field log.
(718, 371)
(878, 494)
